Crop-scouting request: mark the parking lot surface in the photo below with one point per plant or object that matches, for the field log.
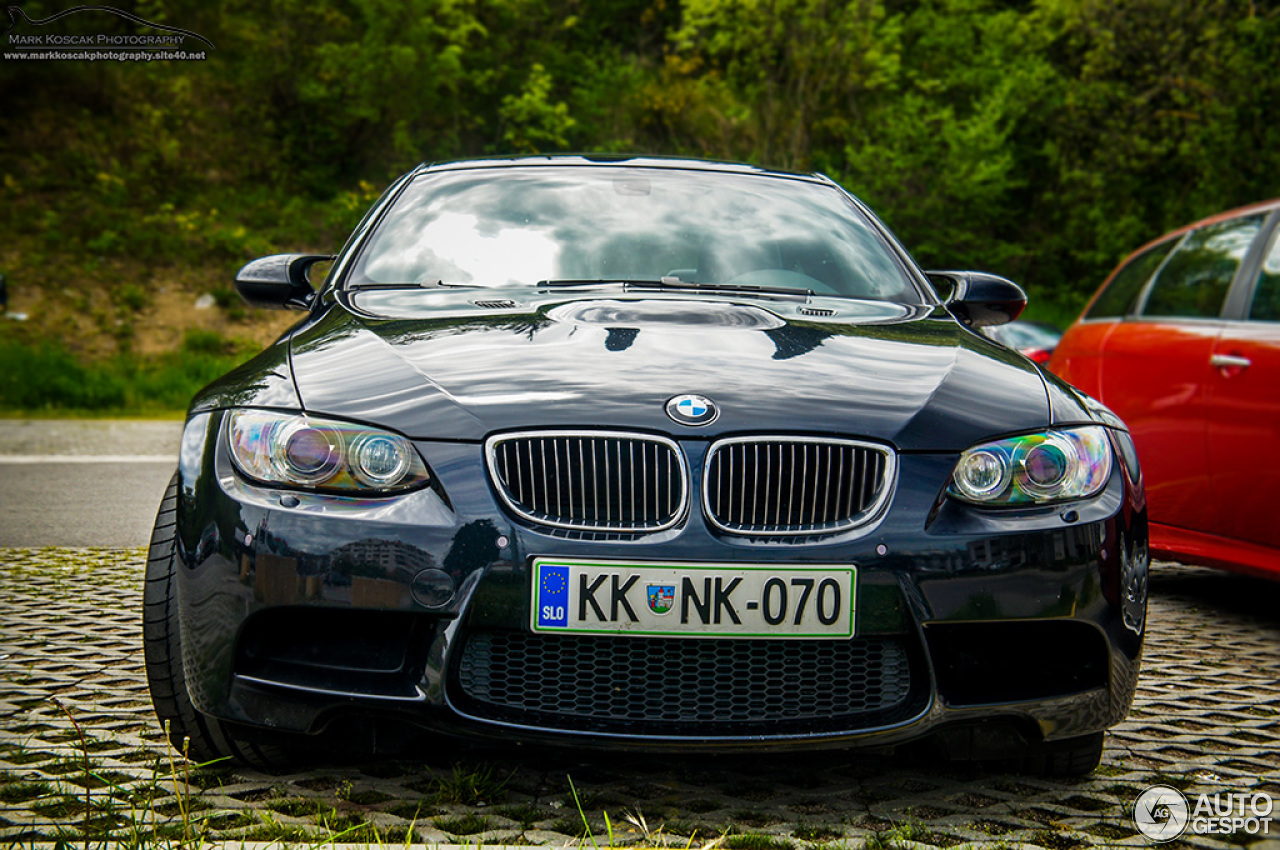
(1207, 719)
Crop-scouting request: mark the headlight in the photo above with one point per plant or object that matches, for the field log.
(1073, 463)
(296, 450)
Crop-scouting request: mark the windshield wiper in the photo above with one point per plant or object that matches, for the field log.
(425, 284)
(675, 284)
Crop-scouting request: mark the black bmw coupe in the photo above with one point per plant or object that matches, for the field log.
(643, 453)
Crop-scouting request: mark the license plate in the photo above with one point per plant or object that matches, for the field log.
(573, 596)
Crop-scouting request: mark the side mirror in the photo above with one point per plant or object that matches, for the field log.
(979, 299)
(279, 281)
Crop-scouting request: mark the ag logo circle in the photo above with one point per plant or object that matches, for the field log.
(692, 410)
(1161, 813)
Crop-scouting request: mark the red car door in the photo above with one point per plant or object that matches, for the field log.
(1154, 376)
(1244, 404)
(1078, 356)
(1156, 371)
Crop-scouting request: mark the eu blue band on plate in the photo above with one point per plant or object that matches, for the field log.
(553, 596)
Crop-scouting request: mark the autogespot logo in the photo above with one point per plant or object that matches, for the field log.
(1162, 814)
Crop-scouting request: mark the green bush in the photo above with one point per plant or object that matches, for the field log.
(45, 377)
(204, 343)
(132, 297)
(1042, 141)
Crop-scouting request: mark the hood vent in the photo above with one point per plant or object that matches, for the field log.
(496, 304)
(816, 311)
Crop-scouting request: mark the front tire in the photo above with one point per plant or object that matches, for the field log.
(199, 737)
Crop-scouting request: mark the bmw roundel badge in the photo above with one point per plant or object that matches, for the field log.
(692, 410)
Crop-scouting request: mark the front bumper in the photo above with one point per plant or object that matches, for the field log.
(299, 611)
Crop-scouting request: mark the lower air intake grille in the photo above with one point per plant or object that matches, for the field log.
(666, 685)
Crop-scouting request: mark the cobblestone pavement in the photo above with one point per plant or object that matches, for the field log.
(1207, 719)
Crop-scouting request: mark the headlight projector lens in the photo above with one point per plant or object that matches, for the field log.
(379, 460)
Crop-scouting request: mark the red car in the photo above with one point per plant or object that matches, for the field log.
(1036, 340)
(1183, 342)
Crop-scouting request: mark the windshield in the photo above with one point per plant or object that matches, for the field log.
(521, 226)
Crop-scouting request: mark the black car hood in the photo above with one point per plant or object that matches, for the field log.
(442, 366)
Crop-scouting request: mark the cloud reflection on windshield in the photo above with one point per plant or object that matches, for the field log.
(559, 223)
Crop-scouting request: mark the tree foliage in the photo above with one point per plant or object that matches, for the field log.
(1042, 139)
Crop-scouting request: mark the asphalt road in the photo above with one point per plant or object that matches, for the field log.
(83, 482)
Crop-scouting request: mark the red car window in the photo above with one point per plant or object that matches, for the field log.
(1121, 295)
(1194, 280)
(1266, 295)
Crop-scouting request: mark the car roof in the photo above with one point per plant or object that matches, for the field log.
(1260, 206)
(590, 160)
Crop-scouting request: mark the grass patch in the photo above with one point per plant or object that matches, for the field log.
(324, 785)
(468, 824)
(230, 303)
(756, 841)
(469, 787)
(138, 756)
(527, 816)
(895, 836)
(46, 377)
(367, 798)
(1057, 840)
(99, 827)
(990, 827)
(61, 809)
(295, 807)
(102, 746)
(277, 832)
(810, 832)
(1110, 770)
(24, 757)
(98, 779)
(572, 827)
(685, 828)
(350, 828)
(63, 766)
(175, 808)
(413, 811)
(21, 792)
(237, 820)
